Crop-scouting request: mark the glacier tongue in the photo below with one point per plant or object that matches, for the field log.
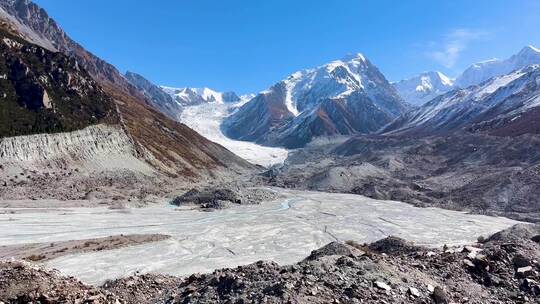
(206, 120)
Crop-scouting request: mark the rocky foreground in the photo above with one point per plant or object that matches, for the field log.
(502, 269)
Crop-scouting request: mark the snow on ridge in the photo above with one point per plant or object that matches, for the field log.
(187, 95)
(498, 82)
(291, 106)
(445, 79)
(482, 71)
(478, 99)
(531, 48)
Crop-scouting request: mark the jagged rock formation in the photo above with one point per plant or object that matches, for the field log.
(34, 24)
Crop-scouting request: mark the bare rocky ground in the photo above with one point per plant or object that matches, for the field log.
(474, 172)
(41, 252)
(72, 184)
(502, 269)
(72, 187)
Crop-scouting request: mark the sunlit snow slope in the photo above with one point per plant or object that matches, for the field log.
(206, 119)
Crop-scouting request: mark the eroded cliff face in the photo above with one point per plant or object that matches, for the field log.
(94, 149)
(70, 165)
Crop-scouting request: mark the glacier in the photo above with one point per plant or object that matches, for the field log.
(206, 119)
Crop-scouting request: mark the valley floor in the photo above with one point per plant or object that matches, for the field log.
(285, 231)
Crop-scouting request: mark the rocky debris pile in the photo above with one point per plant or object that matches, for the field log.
(222, 197)
(388, 271)
(394, 245)
(508, 262)
(146, 288)
(503, 269)
(336, 248)
(21, 282)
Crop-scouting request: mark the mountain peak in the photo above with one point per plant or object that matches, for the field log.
(444, 79)
(529, 49)
(424, 87)
(480, 72)
(354, 57)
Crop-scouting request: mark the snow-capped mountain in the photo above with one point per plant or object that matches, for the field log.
(424, 87)
(345, 96)
(195, 96)
(488, 106)
(483, 71)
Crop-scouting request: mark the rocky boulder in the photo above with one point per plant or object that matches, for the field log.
(222, 197)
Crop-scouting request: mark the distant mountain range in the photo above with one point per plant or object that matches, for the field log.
(422, 88)
(348, 97)
(195, 96)
(493, 105)
(482, 71)
(344, 97)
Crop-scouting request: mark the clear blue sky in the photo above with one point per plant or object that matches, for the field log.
(247, 45)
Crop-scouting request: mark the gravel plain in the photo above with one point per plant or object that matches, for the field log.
(284, 231)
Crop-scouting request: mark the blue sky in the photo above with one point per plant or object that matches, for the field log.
(247, 45)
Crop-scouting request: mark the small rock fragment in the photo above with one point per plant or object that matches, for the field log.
(468, 263)
(414, 292)
(525, 271)
(382, 285)
(439, 295)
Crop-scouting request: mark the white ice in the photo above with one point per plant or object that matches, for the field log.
(206, 120)
(284, 231)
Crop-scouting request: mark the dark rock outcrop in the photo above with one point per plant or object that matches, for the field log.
(219, 198)
(46, 92)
